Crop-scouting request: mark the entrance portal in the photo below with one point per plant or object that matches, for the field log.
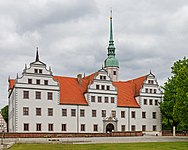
(109, 127)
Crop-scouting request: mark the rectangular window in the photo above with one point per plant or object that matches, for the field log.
(50, 127)
(45, 82)
(151, 102)
(50, 111)
(50, 95)
(133, 128)
(155, 91)
(108, 87)
(82, 127)
(113, 113)
(143, 114)
(101, 77)
(38, 111)
(95, 127)
(26, 126)
(73, 112)
(97, 87)
(106, 99)
(26, 94)
(102, 87)
(112, 100)
(29, 81)
(133, 114)
(156, 102)
(143, 127)
(36, 70)
(63, 127)
(146, 90)
(38, 95)
(150, 90)
(40, 71)
(37, 81)
(94, 113)
(26, 111)
(103, 113)
(114, 72)
(154, 128)
(99, 99)
(82, 113)
(64, 112)
(92, 98)
(154, 115)
(145, 101)
(122, 114)
(122, 128)
(38, 127)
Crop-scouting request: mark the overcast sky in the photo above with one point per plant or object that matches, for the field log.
(72, 36)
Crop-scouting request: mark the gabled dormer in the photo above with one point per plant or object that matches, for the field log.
(37, 67)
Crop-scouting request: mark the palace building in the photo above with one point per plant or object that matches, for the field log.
(42, 102)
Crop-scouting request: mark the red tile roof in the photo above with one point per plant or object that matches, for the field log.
(128, 90)
(71, 92)
(11, 83)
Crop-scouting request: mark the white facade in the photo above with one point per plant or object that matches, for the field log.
(101, 114)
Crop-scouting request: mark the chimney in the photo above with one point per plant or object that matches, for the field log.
(79, 78)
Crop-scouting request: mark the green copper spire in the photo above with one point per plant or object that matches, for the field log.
(111, 47)
(111, 61)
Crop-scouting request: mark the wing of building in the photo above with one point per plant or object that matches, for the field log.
(42, 102)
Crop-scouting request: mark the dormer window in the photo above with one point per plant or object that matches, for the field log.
(29, 81)
(45, 82)
(102, 77)
(37, 81)
(150, 81)
(40, 71)
(36, 70)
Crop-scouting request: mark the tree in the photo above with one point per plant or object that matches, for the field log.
(174, 107)
(4, 112)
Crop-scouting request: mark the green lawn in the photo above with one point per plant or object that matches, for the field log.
(115, 146)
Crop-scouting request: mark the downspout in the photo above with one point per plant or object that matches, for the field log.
(77, 118)
(128, 119)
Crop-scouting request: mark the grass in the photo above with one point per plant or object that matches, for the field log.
(113, 146)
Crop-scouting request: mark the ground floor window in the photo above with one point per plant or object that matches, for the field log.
(95, 127)
(82, 127)
(143, 127)
(133, 128)
(63, 127)
(122, 127)
(154, 128)
(50, 127)
(38, 127)
(26, 126)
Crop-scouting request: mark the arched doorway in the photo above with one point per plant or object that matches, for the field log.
(109, 127)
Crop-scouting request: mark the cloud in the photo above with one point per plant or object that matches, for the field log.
(73, 35)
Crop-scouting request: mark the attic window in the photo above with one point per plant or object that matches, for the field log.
(36, 70)
(40, 71)
(102, 77)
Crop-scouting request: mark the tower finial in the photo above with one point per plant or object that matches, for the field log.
(37, 55)
(111, 47)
